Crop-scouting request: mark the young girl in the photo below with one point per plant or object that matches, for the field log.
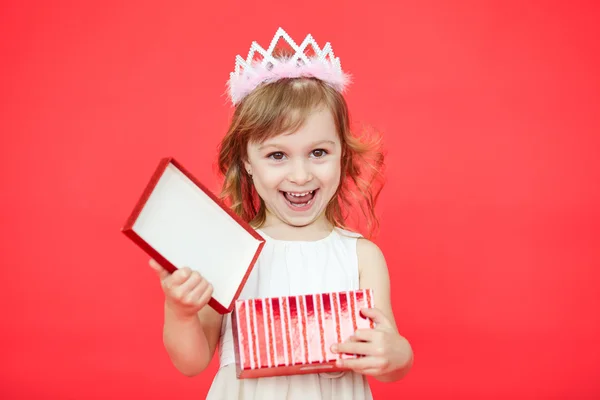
(291, 167)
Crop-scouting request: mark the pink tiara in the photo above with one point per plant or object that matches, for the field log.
(250, 73)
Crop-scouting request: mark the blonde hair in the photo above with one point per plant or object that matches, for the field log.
(283, 106)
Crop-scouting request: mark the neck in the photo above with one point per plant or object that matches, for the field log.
(280, 230)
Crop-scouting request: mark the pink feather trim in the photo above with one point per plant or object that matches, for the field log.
(241, 85)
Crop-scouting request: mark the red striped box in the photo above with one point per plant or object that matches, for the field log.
(293, 335)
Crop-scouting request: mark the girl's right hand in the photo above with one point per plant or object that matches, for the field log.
(186, 291)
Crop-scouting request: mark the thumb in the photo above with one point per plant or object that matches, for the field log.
(376, 315)
(160, 271)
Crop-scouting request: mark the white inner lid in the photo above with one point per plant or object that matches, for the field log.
(188, 228)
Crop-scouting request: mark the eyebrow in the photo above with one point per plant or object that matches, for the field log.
(314, 144)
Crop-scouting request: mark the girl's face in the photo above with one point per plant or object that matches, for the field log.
(297, 174)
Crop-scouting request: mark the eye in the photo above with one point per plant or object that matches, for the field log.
(318, 153)
(277, 156)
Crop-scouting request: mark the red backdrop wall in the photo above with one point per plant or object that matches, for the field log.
(490, 217)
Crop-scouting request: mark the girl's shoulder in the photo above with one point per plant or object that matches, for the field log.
(348, 238)
(348, 233)
(365, 247)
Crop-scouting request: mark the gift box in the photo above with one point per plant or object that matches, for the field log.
(179, 222)
(293, 335)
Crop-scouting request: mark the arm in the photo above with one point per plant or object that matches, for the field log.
(191, 341)
(387, 355)
(191, 328)
(374, 274)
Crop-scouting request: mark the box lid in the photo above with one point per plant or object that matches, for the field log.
(179, 223)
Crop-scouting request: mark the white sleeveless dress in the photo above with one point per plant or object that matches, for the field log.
(288, 268)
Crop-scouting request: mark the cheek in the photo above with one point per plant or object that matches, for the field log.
(268, 177)
(330, 173)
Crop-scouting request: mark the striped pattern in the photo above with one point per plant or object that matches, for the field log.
(297, 330)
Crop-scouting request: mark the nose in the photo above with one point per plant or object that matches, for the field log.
(300, 173)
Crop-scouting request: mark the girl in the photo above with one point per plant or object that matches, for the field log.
(291, 167)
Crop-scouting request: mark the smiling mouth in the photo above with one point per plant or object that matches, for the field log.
(299, 199)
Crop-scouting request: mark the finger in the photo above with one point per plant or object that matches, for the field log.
(160, 271)
(178, 277)
(183, 290)
(194, 293)
(354, 347)
(206, 296)
(369, 371)
(376, 315)
(192, 281)
(362, 363)
(353, 338)
(364, 335)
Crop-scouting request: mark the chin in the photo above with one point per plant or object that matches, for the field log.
(300, 222)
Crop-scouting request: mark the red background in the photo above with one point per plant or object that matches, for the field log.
(490, 216)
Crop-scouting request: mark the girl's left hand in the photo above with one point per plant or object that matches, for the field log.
(383, 349)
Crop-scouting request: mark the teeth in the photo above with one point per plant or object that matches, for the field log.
(299, 194)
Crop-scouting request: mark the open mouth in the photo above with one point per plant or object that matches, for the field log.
(300, 199)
